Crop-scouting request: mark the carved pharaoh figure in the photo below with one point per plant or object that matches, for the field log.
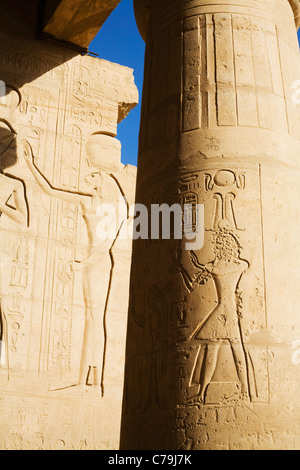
(222, 322)
(104, 154)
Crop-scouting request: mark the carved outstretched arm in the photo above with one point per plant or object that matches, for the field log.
(177, 268)
(44, 184)
(195, 261)
(190, 282)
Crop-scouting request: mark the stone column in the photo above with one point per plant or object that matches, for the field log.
(212, 358)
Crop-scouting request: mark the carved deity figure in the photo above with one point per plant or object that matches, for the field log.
(222, 323)
(13, 203)
(102, 154)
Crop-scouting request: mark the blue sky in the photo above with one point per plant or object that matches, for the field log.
(119, 41)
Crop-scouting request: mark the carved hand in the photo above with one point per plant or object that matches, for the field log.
(76, 266)
(27, 151)
(176, 265)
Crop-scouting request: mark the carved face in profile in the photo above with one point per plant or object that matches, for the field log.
(8, 146)
(93, 179)
(104, 152)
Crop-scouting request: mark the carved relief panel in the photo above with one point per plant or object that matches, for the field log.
(199, 321)
(55, 272)
(227, 365)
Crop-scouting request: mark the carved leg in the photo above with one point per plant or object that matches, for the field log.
(210, 363)
(87, 355)
(95, 287)
(241, 366)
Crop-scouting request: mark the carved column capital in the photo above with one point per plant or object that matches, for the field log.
(143, 10)
(295, 4)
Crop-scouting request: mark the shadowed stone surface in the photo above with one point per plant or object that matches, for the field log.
(211, 331)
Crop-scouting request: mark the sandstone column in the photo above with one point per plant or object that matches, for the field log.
(213, 333)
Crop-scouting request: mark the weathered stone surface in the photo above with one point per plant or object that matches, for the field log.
(143, 11)
(211, 331)
(63, 290)
(75, 21)
(295, 4)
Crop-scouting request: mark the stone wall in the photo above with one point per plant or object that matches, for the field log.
(64, 290)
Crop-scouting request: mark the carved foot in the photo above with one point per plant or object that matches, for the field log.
(193, 392)
(78, 390)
